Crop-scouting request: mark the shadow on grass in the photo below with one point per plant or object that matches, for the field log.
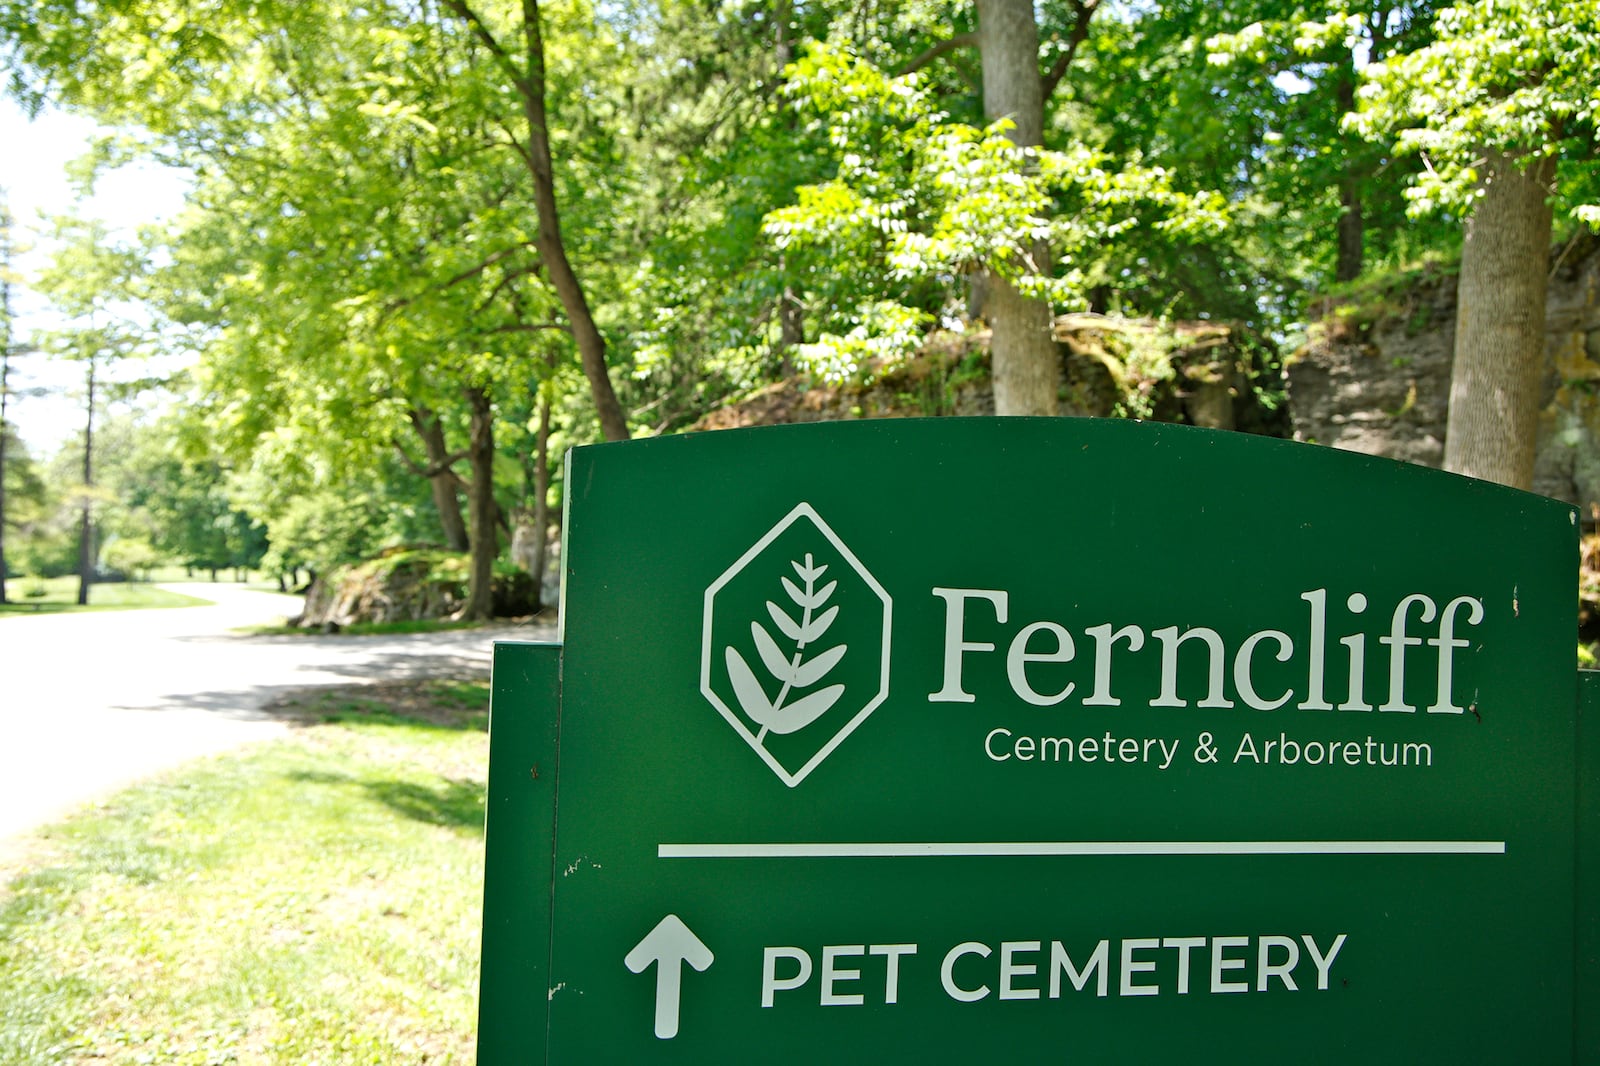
(416, 704)
(467, 721)
(455, 804)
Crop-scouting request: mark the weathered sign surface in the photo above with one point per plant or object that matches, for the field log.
(1047, 738)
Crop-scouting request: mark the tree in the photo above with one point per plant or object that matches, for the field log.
(527, 78)
(186, 511)
(1281, 79)
(90, 283)
(5, 375)
(29, 505)
(919, 201)
(1503, 110)
(706, 147)
(1026, 363)
(362, 259)
(1027, 366)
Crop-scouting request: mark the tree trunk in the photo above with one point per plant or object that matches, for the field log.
(791, 327)
(1350, 229)
(5, 432)
(1026, 364)
(529, 83)
(552, 250)
(1500, 326)
(783, 44)
(541, 500)
(480, 493)
(85, 523)
(442, 480)
(5, 375)
(591, 346)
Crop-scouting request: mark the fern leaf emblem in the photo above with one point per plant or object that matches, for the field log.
(794, 671)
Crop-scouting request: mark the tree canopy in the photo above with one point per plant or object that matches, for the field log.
(430, 243)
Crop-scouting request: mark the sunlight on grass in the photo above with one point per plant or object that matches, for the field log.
(51, 596)
(315, 900)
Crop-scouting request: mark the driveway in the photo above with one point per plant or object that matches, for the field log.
(92, 702)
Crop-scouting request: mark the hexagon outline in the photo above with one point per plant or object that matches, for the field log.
(804, 510)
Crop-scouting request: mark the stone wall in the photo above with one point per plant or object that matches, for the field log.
(1375, 375)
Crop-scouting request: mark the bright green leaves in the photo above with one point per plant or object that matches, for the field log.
(1290, 39)
(919, 202)
(877, 335)
(1512, 75)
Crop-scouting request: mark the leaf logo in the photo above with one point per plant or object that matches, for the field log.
(795, 648)
(798, 672)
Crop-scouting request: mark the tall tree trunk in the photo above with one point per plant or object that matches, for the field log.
(541, 499)
(529, 83)
(1500, 326)
(1351, 231)
(791, 326)
(5, 432)
(1351, 226)
(442, 480)
(85, 523)
(1027, 365)
(552, 250)
(782, 41)
(481, 507)
(5, 375)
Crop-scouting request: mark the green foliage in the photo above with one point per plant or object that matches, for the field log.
(919, 202)
(882, 335)
(158, 503)
(1388, 293)
(1512, 75)
(1247, 97)
(130, 556)
(747, 189)
(29, 502)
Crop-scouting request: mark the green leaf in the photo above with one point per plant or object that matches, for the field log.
(802, 712)
(745, 686)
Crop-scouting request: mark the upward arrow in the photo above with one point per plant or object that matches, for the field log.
(669, 945)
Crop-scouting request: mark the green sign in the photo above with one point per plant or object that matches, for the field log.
(1058, 739)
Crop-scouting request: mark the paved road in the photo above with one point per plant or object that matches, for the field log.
(92, 702)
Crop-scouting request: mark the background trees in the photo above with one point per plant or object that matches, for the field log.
(430, 243)
(1502, 106)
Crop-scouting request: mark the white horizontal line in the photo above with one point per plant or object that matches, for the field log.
(899, 849)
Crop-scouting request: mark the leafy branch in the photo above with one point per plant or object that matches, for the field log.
(792, 671)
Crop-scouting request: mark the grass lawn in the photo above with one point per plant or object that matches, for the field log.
(315, 900)
(61, 594)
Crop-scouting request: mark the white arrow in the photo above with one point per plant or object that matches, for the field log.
(669, 945)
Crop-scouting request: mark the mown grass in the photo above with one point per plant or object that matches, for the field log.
(61, 594)
(315, 900)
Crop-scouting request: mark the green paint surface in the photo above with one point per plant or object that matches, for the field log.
(1273, 549)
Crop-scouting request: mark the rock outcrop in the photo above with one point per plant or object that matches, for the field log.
(1200, 373)
(1375, 374)
(404, 585)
